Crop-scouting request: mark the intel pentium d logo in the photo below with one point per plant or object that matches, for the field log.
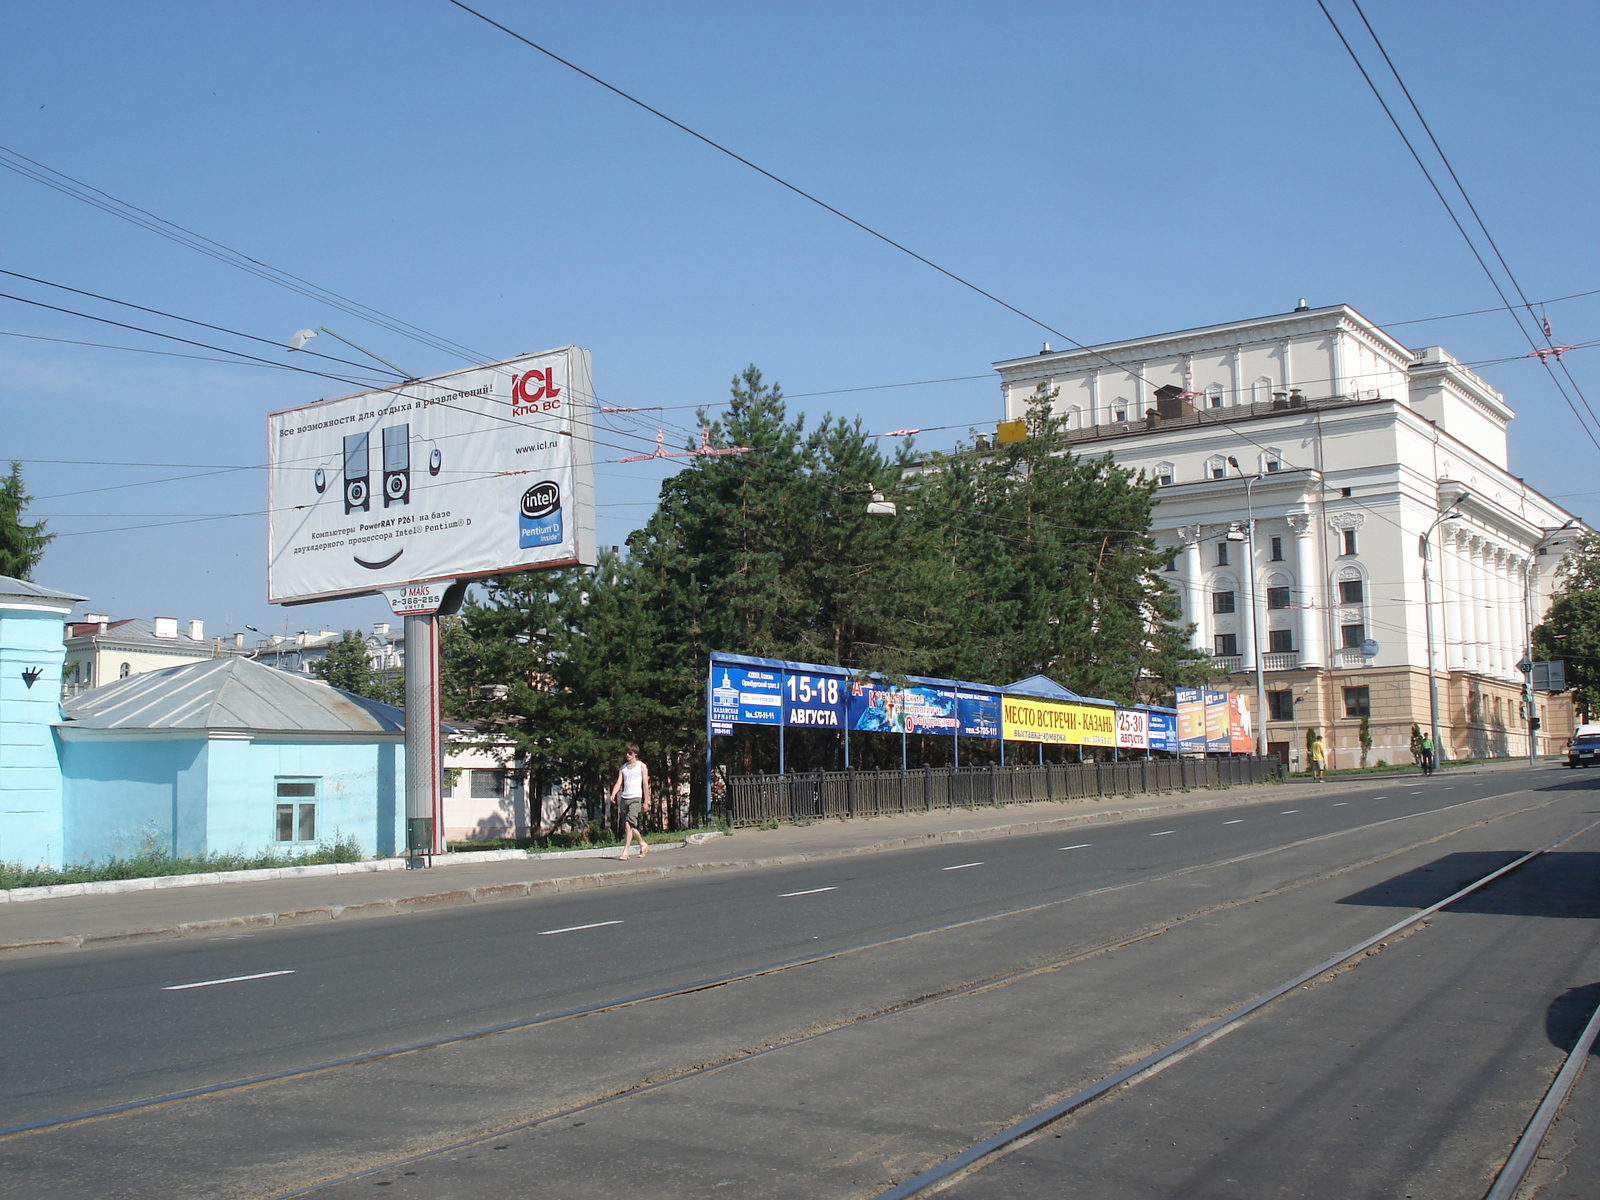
(540, 518)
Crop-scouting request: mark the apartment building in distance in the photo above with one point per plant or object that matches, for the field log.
(1348, 449)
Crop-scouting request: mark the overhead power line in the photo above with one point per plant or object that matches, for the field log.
(172, 231)
(1461, 228)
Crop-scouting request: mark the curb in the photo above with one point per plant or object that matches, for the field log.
(517, 891)
(149, 883)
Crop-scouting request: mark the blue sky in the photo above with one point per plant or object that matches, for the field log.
(1114, 169)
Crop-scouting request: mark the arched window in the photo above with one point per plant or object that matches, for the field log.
(1261, 391)
(127, 669)
(1272, 460)
(1214, 396)
(1166, 473)
(1119, 409)
(1350, 588)
(1216, 467)
(1074, 417)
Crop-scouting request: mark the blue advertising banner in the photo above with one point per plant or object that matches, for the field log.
(876, 708)
(979, 713)
(813, 701)
(744, 696)
(1163, 732)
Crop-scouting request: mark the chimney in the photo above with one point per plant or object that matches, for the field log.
(166, 627)
(197, 631)
(380, 628)
(238, 639)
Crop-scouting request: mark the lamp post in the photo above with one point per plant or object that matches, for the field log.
(1425, 548)
(301, 337)
(1250, 598)
(1529, 696)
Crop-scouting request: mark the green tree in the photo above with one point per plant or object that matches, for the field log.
(21, 546)
(1570, 630)
(347, 666)
(1046, 565)
(1366, 739)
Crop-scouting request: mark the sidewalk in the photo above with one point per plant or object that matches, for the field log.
(74, 922)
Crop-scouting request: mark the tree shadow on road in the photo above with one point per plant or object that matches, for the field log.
(1564, 885)
(1569, 1013)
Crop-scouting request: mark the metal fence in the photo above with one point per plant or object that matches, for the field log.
(754, 799)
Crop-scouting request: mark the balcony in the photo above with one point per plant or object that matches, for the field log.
(1285, 661)
(1351, 658)
(1226, 666)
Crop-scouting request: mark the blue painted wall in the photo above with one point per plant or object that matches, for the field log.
(193, 796)
(122, 797)
(30, 779)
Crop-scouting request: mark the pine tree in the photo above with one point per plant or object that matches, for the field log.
(21, 546)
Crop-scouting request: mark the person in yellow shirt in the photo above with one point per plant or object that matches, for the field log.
(1319, 759)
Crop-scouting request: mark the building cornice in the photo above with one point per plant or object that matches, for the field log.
(1132, 353)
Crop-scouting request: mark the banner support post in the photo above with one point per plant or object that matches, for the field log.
(424, 829)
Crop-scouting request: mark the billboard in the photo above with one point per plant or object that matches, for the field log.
(1133, 729)
(1163, 731)
(475, 472)
(1191, 720)
(1023, 719)
(1218, 740)
(1240, 738)
(742, 696)
(883, 708)
(813, 701)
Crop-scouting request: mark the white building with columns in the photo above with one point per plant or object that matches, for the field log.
(1348, 449)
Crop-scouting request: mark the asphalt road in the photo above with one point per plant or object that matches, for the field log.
(1224, 901)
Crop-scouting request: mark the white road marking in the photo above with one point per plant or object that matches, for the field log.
(1380, 797)
(180, 987)
(1235, 821)
(807, 892)
(1416, 793)
(1288, 811)
(575, 928)
(1079, 846)
(1164, 833)
(1341, 804)
(961, 866)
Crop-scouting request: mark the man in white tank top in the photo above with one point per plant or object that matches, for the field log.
(633, 786)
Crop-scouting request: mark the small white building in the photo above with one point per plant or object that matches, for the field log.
(100, 650)
(1347, 448)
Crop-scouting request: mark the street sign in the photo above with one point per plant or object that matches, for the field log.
(1549, 676)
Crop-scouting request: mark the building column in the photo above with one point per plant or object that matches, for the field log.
(1492, 651)
(1447, 581)
(1498, 663)
(1194, 606)
(1308, 608)
(1509, 637)
(1471, 606)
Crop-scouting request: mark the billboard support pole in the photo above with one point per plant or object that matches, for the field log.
(423, 799)
(710, 672)
(781, 767)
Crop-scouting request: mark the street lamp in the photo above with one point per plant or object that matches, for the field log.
(1250, 598)
(301, 337)
(1425, 548)
(1530, 698)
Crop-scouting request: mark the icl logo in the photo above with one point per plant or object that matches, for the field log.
(534, 391)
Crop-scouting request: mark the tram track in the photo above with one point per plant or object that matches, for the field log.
(960, 1164)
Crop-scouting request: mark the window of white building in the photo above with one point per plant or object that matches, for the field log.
(1214, 396)
(1165, 473)
(1216, 467)
(1261, 391)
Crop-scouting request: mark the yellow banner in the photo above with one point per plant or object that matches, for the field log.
(1024, 720)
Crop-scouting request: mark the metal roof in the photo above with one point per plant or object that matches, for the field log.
(228, 694)
(21, 587)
